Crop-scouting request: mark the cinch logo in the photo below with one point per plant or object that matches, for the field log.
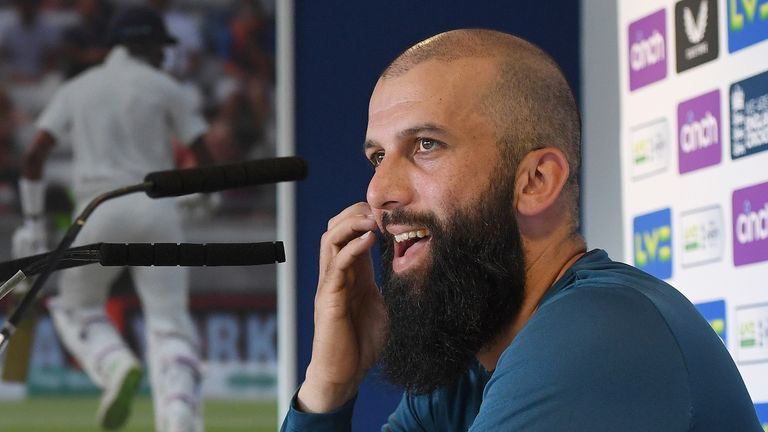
(696, 36)
(749, 116)
(647, 52)
(653, 243)
(714, 313)
(649, 148)
(752, 325)
(699, 134)
(750, 224)
(698, 122)
(702, 233)
(747, 23)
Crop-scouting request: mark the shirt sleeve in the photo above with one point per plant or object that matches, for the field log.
(452, 408)
(55, 118)
(186, 121)
(339, 420)
(592, 360)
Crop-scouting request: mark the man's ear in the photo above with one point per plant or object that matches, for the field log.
(541, 176)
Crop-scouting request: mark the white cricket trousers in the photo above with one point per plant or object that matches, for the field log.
(172, 340)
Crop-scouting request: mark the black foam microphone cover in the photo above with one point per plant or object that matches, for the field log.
(222, 177)
(191, 254)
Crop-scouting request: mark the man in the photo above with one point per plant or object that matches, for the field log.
(492, 315)
(120, 117)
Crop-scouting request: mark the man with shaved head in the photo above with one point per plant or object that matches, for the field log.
(492, 314)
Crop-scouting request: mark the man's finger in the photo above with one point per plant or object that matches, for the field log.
(357, 208)
(343, 232)
(357, 248)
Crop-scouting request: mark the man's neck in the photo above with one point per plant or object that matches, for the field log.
(544, 266)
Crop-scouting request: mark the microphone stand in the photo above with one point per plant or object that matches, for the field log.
(29, 297)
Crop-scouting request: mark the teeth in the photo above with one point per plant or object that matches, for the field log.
(411, 234)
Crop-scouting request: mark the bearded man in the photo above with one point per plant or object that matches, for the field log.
(492, 315)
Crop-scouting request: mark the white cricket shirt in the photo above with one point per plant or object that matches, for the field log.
(120, 117)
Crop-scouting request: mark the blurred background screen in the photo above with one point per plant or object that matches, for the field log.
(225, 57)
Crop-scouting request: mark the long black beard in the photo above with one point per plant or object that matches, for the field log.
(439, 319)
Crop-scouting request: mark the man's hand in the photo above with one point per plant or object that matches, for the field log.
(349, 313)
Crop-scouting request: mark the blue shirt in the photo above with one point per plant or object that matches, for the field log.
(610, 348)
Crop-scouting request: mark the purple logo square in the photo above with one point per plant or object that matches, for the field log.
(750, 224)
(647, 51)
(698, 132)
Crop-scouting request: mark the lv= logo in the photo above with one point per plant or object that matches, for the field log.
(653, 243)
(653, 246)
(751, 8)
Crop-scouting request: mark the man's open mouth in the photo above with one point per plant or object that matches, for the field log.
(405, 240)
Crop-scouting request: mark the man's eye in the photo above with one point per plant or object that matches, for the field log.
(427, 144)
(376, 158)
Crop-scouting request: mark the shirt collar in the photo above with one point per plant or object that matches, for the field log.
(594, 256)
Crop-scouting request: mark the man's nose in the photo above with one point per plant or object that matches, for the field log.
(390, 186)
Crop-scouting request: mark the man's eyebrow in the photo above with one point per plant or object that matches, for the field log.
(421, 128)
(370, 144)
(411, 131)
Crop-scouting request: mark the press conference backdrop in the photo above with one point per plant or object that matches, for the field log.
(694, 158)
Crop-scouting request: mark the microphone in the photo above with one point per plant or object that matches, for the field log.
(220, 177)
(140, 254)
(191, 254)
(152, 254)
